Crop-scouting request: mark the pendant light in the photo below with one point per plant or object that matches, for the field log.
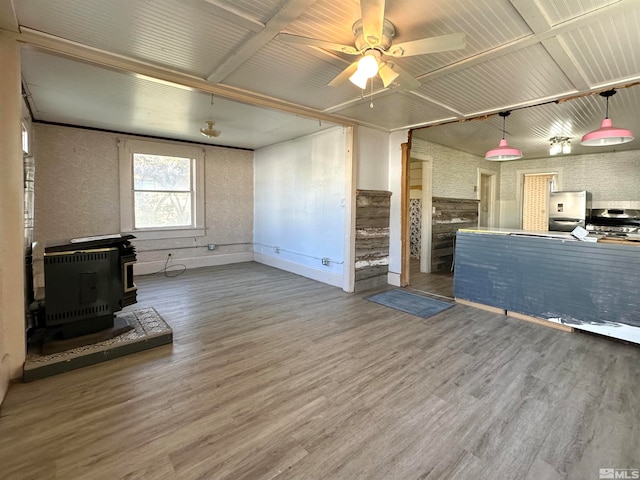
(607, 134)
(504, 151)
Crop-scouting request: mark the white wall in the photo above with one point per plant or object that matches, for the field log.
(299, 205)
(372, 159)
(396, 139)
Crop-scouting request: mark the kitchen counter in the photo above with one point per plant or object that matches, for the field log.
(553, 277)
(592, 237)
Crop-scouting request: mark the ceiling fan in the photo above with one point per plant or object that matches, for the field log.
(374, 40)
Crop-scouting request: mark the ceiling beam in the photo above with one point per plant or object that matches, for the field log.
(233, 14)
(76, 51)
(618, 8)
(569, 66)
(533, 14)
(289, 12)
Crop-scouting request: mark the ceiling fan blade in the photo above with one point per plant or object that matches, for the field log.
(313, 42)
(404, 79)
(344, 75)
(372, 20)
(453, 41)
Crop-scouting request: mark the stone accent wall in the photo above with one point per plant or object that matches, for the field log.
(372, 238)
(449, 215)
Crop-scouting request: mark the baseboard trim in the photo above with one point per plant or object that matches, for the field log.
(393, 279)
(540, 321)
(481, 306)
(308, 272)
(145, 268)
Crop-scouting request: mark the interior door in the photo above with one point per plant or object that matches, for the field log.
(535, 202)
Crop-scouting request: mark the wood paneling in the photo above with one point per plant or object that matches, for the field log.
(372, 238)
(275, 376)
(449, 214)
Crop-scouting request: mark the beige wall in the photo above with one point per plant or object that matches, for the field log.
(77, 194)
(12, 314)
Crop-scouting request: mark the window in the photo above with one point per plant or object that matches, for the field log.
(25, 140)
(162, 189)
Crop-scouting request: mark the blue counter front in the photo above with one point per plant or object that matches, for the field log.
(588, 286)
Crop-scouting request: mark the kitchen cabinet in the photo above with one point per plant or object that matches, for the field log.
(586, 285)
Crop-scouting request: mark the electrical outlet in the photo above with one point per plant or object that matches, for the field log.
(325, 261)
(211, 246)
(276, 249)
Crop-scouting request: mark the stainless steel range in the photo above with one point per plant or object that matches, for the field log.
(615, 222)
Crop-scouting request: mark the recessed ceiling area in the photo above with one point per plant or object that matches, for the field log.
(81, 94)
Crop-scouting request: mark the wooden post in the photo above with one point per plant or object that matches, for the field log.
(404, 217)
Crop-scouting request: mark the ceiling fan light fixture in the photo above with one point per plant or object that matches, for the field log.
(504, 152)
(359, 79)
(607, 134)
(387, 74)
(368, 65)
(209, 131)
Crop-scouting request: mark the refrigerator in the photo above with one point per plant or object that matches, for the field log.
(568, 210)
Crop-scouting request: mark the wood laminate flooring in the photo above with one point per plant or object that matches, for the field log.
(439, 283)
(274, 376)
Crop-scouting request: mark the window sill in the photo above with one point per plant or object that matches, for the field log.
(167, 233)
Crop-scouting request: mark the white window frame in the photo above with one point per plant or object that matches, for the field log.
(127, 147)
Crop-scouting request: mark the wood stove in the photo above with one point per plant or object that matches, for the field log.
(87, 280)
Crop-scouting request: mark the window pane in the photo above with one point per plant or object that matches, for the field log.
(157, 172)
(162, 209)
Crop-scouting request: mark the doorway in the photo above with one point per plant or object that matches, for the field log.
(487, 194)
(532, 196)
(418, 213)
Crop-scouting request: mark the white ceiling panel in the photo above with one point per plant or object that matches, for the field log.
(187, 35)
(558, 11)
(603, 56)
(518, 53)
(396, 109)
(487, 24)
(296, 74)
(110, 100)
(327, 20)
(502, 81)
(261, 10)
